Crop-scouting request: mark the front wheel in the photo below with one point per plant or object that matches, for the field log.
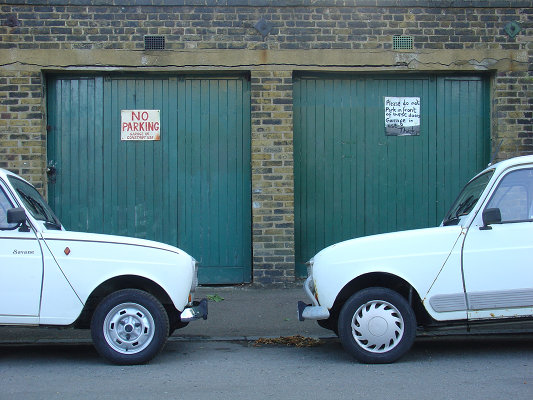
(129, 327)
(330, 324)
(377, 325)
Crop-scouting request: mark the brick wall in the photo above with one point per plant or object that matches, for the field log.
(79, 27)
(22, 141)
(272, 177)
(513, 113)
(189, 27)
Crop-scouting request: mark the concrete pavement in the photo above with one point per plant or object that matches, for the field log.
(235, 313)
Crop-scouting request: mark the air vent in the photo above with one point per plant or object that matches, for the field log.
(400, 42)
(154, 42)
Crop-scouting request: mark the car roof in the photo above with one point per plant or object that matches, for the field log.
(511, 162)
(4, 173)
(501, 166)
(7, 172)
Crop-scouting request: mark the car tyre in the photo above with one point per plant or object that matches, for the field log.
(330, 324)
(129, 326)
(377, 326)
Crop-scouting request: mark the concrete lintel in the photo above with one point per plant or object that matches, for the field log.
(209, 60)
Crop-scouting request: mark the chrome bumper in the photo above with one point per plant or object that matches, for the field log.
(311, 311)
(197, 311)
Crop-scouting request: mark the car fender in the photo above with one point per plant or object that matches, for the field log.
(416, 256)
(88, 260)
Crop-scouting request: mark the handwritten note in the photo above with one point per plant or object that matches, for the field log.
(402, 116)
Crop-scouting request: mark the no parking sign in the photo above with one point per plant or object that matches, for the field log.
(140, 125)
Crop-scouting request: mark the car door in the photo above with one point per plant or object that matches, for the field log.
(497, 258)
(21, 268)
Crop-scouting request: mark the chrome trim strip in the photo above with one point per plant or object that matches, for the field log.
(501, 299)
(482, 300)
(448, 302)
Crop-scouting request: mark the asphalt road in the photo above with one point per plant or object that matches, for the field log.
(485, 368)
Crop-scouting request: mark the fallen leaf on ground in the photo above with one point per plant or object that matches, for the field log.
(295, 341)
(216, 298)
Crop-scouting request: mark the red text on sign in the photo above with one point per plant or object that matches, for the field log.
(139, 115)
(140, 126)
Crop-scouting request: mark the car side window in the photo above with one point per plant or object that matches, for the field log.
(514, 196)
(5, 205)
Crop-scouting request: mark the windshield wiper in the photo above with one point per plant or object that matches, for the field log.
(52, 225)
(450, 221)
(468, 205)
(462, 209)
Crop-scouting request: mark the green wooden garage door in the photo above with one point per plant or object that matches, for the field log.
(191, 189)
(352, 180)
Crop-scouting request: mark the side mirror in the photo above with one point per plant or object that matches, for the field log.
(491, 216)
(18, 216)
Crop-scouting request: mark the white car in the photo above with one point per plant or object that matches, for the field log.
(131, 293)
(473, 271)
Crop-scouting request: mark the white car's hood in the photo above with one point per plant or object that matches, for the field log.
(392, 245)
(101, 238)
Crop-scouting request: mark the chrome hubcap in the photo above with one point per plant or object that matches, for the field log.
(129, 328)
(377, 326)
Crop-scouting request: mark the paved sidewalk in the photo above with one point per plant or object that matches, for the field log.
(241, 313)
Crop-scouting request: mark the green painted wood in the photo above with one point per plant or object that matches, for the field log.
(352, 180)
(191, 189)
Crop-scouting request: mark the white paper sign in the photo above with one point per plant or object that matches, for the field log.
(402, 116)
(140, 125)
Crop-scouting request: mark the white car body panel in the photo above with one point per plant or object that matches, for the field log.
(20, 287)
(94, 258)
(59, 303)
(510, 274)
(396, 253)
(497, 265)
(448, 283)
(50, 287)
(467, 271)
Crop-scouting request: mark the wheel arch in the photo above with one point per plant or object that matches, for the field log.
(385, 280)
(124, 282)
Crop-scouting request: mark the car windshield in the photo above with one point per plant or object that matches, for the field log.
(35, 204)
(467, 199)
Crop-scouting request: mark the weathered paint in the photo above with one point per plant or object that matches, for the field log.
(352, 180)
(191, 189)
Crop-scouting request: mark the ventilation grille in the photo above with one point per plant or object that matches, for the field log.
(400, 42)
(153, 42)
